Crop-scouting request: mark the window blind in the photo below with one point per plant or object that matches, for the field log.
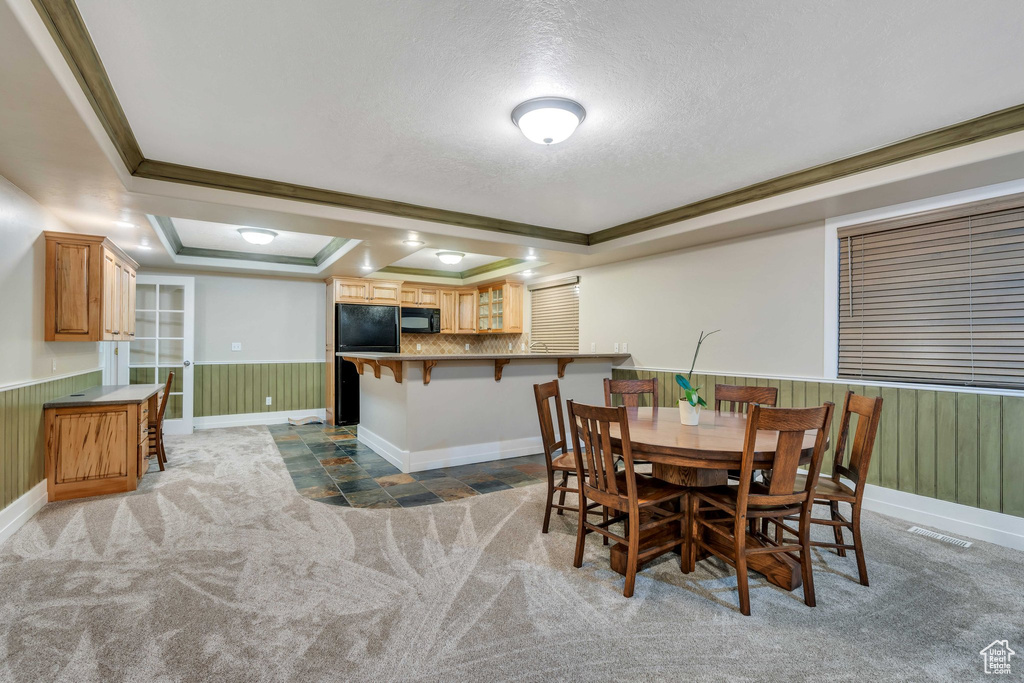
(936, 300)
(555, 317)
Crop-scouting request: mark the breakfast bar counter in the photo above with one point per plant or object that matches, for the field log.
(428, 411)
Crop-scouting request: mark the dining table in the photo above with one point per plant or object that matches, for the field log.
(698, 456)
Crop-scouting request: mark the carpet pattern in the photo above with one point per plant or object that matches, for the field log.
(218, 570)
(328, 464)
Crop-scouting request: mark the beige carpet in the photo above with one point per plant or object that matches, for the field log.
(218, 570)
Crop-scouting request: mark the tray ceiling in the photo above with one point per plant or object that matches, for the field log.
(685, 100)
(223, 237)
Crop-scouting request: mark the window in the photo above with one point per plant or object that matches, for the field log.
(936, 298)
(555, 316)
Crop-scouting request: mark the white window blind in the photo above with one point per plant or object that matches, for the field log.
(936, 299)
(555, 317)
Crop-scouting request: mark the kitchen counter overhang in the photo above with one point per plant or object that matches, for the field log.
(394, 361)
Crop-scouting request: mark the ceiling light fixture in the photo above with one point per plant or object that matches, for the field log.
(366, 267)
(548, 120)
(450, 258)
(413, 243)
(527, 272)
(257, 235)
(124, 224)
(531, 257)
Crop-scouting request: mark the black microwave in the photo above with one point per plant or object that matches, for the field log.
(421, 320)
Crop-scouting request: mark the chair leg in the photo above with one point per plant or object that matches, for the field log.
(833, 507)
(604, 517)
(692, 530)
(160, 447)
(633, 553)
(687, 534)
(159, 452)
(549, 501)
(858, 546)
(581, 531)
(805, 557)
(740, 557)
(561, 494)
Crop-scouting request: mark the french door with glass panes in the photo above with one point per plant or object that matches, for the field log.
(164, 327)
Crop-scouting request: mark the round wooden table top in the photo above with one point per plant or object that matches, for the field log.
(716, 443)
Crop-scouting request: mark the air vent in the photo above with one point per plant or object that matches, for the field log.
(939, 537)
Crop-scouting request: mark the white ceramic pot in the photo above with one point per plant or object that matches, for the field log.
(688, 415)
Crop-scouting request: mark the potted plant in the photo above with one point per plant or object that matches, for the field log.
(691, 402)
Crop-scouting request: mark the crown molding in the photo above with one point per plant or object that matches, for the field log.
(464, 275)
(69, 32)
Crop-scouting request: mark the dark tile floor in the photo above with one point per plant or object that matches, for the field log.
(328, 464)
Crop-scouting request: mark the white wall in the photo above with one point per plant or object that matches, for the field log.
(24, 356)
(275, 319)
(765, 293)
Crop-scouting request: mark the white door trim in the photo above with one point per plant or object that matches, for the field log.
(185, 424)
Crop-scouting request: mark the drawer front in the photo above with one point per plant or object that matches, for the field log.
(143, 431)
(143, 412)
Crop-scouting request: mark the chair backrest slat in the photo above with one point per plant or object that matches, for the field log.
(630, 390)
(737, 397)
(545, 394)
(590, 427)
(869, 412)
(791, 424)
(163, 401)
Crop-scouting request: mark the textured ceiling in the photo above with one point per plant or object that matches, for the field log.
(685, 99)
(207, 235)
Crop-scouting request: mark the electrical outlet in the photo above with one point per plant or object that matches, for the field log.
(467, 347)
(625, 347)
(593, 347)
(236, 346)
(419, 347)
(53, 365)
(522, 346)
(616, 347)
(510, 346)
(269, 401)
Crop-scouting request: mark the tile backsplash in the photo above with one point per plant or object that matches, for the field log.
(456, 343)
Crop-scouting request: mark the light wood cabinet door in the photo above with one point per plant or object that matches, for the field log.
(385, 292)
(115, 301)
(430, 297)
(124, 302)
(465, 321)
(71, 303)
(449, 308)
(132, 283)
(110, 315)
(410, 296)
(513, 307)
(351, 291)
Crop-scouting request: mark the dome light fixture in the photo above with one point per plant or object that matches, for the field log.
(450, 258)
(257, 235)
(548, 120)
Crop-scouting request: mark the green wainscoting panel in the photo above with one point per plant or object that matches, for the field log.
(960, 447)
(152, 376)
(237, 388)
(22, 444)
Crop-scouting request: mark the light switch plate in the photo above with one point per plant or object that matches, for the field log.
(625, 347)
(236, 346)
(616, 347)
(269, 401)
(593, 347)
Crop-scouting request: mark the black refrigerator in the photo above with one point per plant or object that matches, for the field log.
(359, 329)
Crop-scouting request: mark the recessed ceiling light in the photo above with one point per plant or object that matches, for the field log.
(366, 267)
(257, 235)
(531, 257)
(413, 243)
(527, 272)
(145, 246)
(124, 224)
(450, 258)
(548, 120)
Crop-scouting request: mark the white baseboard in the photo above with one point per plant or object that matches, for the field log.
(418, 461)
(963, 520)
(244, 419)
(14, 516)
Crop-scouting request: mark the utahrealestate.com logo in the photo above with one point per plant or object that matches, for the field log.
(997, 657)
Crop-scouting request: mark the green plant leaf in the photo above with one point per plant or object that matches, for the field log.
(683, 382)
(702, 402)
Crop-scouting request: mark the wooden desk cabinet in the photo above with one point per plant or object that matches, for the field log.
(97, 442)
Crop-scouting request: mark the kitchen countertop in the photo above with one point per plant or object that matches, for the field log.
(413, 357)
(106, 395)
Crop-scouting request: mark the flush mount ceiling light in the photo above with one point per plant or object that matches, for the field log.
(548, 120)
(124, 224)
(257, 235)
(527, 272)
(450, 258)
(413, 243)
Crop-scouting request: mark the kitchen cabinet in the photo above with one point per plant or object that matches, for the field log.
(351, 290)
(499, 308)
(465, 311)
(449, 310)
(89, 289)
(423, 297)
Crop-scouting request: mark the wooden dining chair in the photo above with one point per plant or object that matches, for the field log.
(833, 490)
(735, 508)
(156, 428)
(625, 492)
(737, 398)
(630, 390)
(559, 459)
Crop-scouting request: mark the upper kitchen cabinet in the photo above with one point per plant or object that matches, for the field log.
(90, 289)
(465, 312)
(500, 307)
(351, 290)
(424, 297)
